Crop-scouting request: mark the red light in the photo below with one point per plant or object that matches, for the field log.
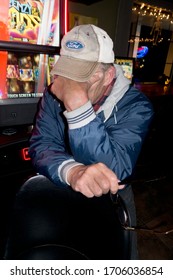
(66, 16)
(25, 155)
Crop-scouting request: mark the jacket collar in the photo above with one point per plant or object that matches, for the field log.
(119, 88)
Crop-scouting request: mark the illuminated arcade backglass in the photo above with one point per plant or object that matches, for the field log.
(34, 22)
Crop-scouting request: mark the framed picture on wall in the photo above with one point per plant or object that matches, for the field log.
(77, 19)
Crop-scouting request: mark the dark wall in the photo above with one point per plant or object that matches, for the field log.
(155, 59)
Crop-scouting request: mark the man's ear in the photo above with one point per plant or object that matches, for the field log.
(97, 76)
(109, 75)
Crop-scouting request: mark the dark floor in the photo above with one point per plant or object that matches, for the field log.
(154, 202)
(153, 183)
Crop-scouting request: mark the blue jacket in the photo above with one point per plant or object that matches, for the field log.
(113, 135)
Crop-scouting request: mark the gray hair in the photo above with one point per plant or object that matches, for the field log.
(106, 66)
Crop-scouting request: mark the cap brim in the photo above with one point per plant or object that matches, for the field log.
(74, 69)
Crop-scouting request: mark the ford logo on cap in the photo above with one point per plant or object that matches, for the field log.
(75, 45)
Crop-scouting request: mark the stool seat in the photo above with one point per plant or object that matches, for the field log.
(51, 252)
(49, 222)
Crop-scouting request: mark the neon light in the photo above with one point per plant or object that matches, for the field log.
(3, 55)
(142, 51)
(25, 155)
(66, 16)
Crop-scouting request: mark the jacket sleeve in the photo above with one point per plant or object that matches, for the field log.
(48, 143)
(116, 142)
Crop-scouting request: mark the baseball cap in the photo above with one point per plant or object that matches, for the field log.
(83, 48)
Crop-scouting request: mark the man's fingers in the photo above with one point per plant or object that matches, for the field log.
(94, 180)
(85, 191)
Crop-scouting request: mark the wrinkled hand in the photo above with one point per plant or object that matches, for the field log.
(93, 180)
(73, 94)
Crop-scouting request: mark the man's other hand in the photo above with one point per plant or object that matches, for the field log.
(93, 180)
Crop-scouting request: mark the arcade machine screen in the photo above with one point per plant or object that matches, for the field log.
(127, 65)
